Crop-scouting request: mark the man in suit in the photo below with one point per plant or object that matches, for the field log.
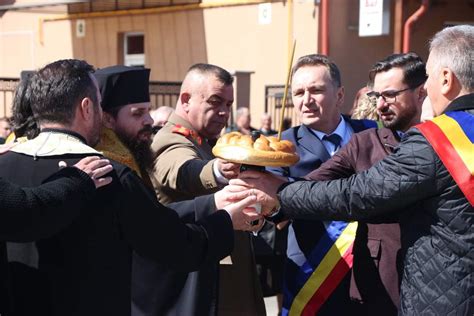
(266, 125)
(317, 95)
(397, 83)
(185, 168)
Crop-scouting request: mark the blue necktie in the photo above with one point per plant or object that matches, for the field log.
(335, 139)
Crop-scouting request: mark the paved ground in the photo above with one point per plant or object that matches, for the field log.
(271, 305)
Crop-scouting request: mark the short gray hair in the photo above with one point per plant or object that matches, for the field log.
(453, 47)
(241, 112)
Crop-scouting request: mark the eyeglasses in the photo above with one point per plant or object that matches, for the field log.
(389, 96)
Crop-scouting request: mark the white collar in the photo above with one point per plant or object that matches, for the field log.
(340, 130)
(53, 144)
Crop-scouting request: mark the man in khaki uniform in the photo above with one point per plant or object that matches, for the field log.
(185, 168)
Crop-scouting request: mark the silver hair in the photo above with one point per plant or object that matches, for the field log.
(164, 109)
(241, 112)
(453, 47)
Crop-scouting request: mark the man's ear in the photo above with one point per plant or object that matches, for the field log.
(421, 94)
(85, 109)
(340, 97)
(108, 120)
(447, 81)
(184, 98)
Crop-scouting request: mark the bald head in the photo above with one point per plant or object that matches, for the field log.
(206, 98)
(199, 75)
(160, 115)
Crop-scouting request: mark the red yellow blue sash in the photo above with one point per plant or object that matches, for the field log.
(452, 138)
(325, 268)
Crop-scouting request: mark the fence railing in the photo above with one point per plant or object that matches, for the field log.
(167, 93)
(273, 105)
(161, 93)
(164, 93)
(7, 89)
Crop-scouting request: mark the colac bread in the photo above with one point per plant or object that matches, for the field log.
(263, 151)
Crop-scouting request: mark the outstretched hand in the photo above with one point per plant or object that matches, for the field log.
(229, 170)
(262, 184)
(243, 214)
(96, 168)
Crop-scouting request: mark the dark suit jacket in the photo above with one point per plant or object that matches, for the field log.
(375, 278)
(312, 154)
(311, 149)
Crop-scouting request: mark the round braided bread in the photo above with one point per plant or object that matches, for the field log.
(264, 151)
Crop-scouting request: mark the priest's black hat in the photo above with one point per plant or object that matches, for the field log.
(122, 85)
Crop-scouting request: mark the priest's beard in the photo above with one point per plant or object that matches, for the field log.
(140, 148)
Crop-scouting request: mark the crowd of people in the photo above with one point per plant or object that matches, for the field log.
(109, 208)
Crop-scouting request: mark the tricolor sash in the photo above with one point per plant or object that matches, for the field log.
(324, 269)
(452, 137)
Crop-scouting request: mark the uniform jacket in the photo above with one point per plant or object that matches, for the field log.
(375, 279)
(183, 170)
(85, 269)
(437, 230)
(304, 235)
(183, 165)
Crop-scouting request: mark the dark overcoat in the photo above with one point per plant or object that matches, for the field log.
(28, 214)
(85, 269)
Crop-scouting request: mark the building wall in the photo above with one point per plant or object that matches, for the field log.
(173, 41)
(21, 48)
(355, 55)
(441, 12)
(229, 36)
(236, 41)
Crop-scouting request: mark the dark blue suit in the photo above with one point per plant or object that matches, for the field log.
(304, 235)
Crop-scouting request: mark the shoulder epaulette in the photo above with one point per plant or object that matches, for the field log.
(188, 133)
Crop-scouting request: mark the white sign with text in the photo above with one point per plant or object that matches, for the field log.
(374, 17)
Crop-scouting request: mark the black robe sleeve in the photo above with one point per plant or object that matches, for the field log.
(28, 214)
(156, 232)
(191, 211)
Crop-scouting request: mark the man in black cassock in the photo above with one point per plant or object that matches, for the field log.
(85, 268)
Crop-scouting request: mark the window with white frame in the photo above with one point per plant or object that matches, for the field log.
(134, 49)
